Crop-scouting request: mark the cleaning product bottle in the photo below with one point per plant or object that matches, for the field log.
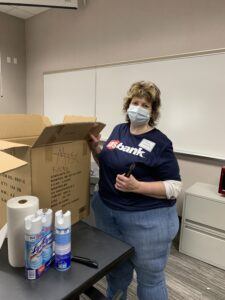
(62, 240)
(33, 246)
(47, 236)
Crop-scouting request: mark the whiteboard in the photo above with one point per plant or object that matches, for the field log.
(193, 100)
(192, 93)
(69, 93)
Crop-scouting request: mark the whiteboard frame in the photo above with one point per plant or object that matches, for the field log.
(156, 58)
(151, 59)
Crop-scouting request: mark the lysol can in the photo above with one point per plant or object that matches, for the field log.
(62, 240)
(47, 235)
(33, 247)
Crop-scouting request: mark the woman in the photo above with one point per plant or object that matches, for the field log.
(138, 209)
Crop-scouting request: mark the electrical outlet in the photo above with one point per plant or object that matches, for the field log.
(8, 59)
(15, 60)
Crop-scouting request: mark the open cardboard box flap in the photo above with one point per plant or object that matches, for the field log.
(5, 145)
(37, 131)
(78, 119)
(21, 126)
(9, 162)
(68, 132)
(39, 128)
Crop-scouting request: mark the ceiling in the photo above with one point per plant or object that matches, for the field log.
(23, 12)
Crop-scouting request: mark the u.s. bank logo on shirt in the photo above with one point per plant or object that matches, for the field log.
(147, 145)
(112, 144)
(116, 144)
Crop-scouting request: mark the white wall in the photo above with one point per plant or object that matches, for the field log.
(12, 44)
(113, 31)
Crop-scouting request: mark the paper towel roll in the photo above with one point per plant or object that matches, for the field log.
(17, 209)
(3, 234)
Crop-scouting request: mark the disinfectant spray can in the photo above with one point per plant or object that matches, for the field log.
(62, 240)
(33, 246)
(47, 236)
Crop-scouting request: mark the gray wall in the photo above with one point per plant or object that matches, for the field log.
(113, 31)
(12, 44)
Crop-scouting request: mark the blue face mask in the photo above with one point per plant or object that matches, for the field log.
(138, 115)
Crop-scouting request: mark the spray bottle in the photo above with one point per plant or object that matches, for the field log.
(62, 240)
(47, 236)
(33, 246)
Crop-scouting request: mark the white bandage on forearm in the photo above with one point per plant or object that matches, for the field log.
(173, 188)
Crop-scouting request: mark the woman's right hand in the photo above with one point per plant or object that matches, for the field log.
(94, 143)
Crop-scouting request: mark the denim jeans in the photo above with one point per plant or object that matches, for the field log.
(150, 233)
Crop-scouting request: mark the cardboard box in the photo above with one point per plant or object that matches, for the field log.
(51, 162)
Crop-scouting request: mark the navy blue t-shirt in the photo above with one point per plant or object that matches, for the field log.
(152, 153)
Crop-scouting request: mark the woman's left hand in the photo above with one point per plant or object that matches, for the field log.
(127, 184)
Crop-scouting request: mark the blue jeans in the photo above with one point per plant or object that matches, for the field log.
(150, 233)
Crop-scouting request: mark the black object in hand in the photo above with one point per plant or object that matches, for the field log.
(85, 261)
(128, 173)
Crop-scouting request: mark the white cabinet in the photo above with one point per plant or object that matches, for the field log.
(203, 224)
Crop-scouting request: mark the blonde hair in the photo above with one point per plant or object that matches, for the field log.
(149, 91)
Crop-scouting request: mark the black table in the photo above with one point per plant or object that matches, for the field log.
(87, 241)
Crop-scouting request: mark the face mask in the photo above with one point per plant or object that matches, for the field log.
(138, 115)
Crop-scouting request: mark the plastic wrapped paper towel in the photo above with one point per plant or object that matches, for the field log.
(17, 209)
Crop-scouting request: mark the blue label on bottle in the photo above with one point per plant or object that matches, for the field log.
(63, 262)
(33, 255)
(47, 250)
(62, 249)
(62, 236)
